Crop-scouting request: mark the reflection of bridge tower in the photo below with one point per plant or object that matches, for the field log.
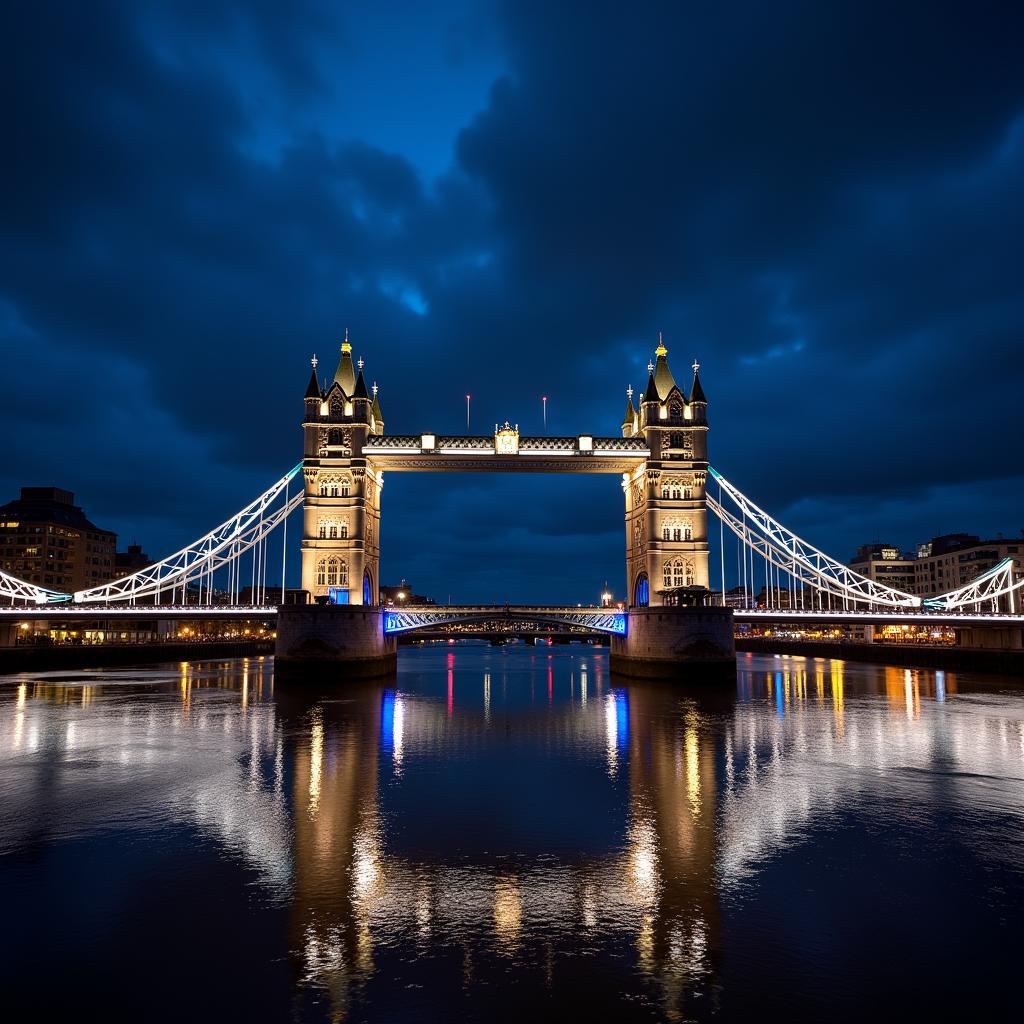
(666, 514)
(674, 842)
(341, 511)
(333, 752)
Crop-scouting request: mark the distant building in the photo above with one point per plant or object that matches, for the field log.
(885, 564)
(403, 594)
(131, 561)
(45, 538)
(951, 561)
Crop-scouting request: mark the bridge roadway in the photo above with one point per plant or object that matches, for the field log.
(440, 614)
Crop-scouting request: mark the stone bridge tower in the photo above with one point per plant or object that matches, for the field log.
(666, 511)
(341, 510)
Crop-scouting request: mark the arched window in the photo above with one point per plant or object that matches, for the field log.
(323, 530)
(344, 488)
(334, 437)
(675, 410)
(321, 573)
(687, 531)
(666, 533)
(367, 589)
(337, 407)
(642, 591)
(344, 530)
(677, 534)
(676, 440)
(334, 531)
(687, 493)
(332, 572)
(323, 488)
(343, 573)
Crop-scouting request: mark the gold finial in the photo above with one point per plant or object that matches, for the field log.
(345, 346)
(660, 350)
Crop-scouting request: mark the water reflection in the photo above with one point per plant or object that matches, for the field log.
(491, 815)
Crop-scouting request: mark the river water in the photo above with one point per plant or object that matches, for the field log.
(510, 833)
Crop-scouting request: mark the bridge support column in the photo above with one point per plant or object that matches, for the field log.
(346, 641)
(693, 645)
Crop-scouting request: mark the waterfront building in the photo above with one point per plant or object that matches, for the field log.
(885, 564)
(45, 538)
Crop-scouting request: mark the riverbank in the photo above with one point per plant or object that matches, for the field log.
(960, 659)
(43, 659)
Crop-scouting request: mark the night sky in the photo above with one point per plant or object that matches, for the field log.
(820, 201)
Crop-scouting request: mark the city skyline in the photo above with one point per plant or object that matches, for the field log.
(489, 216)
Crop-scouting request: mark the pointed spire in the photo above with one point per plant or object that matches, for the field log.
(345, 374)
(313, 389)
(630, 417)
(375, 408)
(662, 374)
(359, 391)
(651, 394)
(697, 392)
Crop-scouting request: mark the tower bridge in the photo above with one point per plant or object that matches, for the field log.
(673, 612)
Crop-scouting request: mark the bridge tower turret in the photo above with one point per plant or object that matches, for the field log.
(666, 511)
(341, 509)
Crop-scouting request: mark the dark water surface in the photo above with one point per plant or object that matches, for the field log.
(510, 833)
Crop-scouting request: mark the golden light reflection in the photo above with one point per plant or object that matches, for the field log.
(692, 769)
(837, 697)
(22, 694)
(316, 761)
(487, 697)
(643, 861)
(508, 910)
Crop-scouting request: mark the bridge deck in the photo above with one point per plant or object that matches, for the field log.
(58, 612)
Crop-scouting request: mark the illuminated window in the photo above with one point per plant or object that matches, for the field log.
(323, 530)
(344, 530)
(332, 572)
(321, 573)
(334, 531)
(344, 488)
(677, 573)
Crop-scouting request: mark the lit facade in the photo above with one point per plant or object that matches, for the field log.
(45, 538)
(666, 511)
(341, 510)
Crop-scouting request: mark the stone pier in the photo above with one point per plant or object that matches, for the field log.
(686, 644)
(346, 641)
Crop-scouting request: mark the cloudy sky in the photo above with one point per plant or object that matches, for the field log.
(822, 202)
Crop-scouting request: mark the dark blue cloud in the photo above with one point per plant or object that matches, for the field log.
(822, 202)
